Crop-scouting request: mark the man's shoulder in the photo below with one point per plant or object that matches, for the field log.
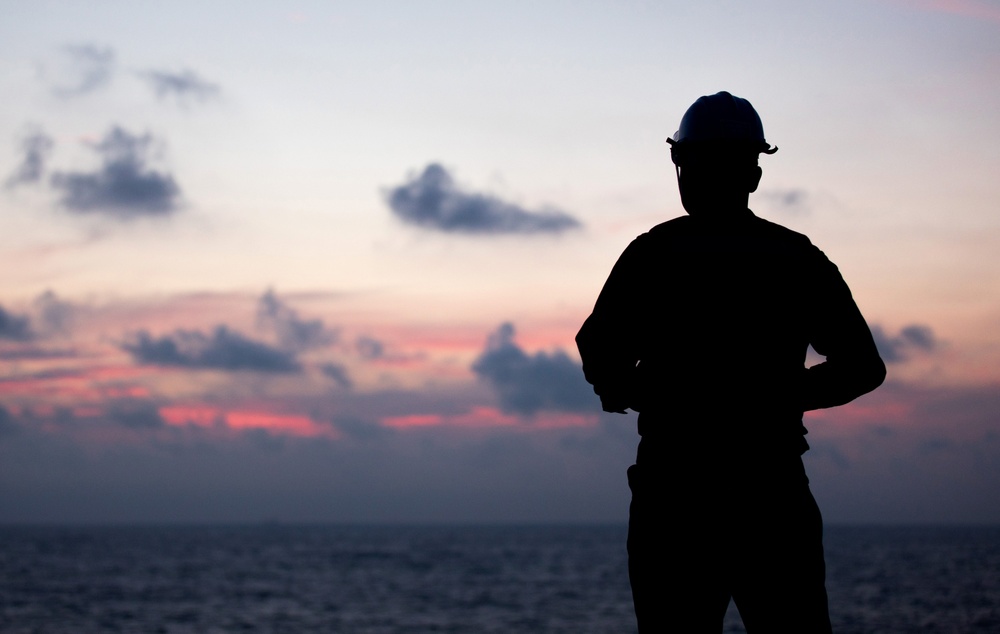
(768, 225)
(674, 224)
(665, 230)
(780, 232)
(790, 243)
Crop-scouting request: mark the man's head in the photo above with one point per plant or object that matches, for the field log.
(715, 151)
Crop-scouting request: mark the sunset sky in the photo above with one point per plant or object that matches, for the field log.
(324, 261)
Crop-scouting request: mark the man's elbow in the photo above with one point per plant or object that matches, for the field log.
(873, 376)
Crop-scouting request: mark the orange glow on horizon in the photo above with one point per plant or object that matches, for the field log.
(206, 416)
(563, 420)
(413, 420)
(854, 414)
(294, 425)
(484, 417)
(190, 415)
(490, 417)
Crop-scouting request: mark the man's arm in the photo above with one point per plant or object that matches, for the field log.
(853, 366)
(607, 342)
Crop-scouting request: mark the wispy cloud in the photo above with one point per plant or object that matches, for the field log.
(124, 187)
(898, 348)
(292, 331)
(432, 200)
(792, 201)
(183, 86)
(337, 373)
(80, 69)
(222, 349)
(526, 384)
(35, 149)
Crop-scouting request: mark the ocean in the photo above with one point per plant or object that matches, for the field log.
(460, 579)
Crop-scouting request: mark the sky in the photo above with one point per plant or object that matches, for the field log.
(324, 261)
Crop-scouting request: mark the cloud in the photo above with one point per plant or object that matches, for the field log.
(337, 373)
(223, 349)
(7, 423)
(124, 187)
(369, 348)
(526, 384)
(432, 200)
(54, 315)
(377, 351)
(896, 349)
(136, 415)
(35, 149)
(81, 69)
(15, 327)
(361, 428)
(293, 332)
(791, 201)
(182, 86)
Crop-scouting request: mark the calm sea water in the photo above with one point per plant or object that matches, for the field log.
(305, 579)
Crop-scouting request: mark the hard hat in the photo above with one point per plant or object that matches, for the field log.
(722, 118)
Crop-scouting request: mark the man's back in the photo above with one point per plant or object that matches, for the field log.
(710, 318)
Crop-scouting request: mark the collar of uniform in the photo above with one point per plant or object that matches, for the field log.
(726, 217)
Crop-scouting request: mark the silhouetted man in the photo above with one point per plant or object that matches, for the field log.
(702, 327)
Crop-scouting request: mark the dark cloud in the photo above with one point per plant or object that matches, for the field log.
(896, 349)
(526, 384)
(337, 373)
(14, 327)
(35, 149)
(432, 200)
(223, 349)
(293, 332)
(81, 69)
(183, 86)
(935, 445)
(940, 464)
(135, 415)
(91, 469)
(7, 423)
(124, 187)
(361, 428)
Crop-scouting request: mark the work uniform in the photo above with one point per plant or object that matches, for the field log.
(703, 327)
